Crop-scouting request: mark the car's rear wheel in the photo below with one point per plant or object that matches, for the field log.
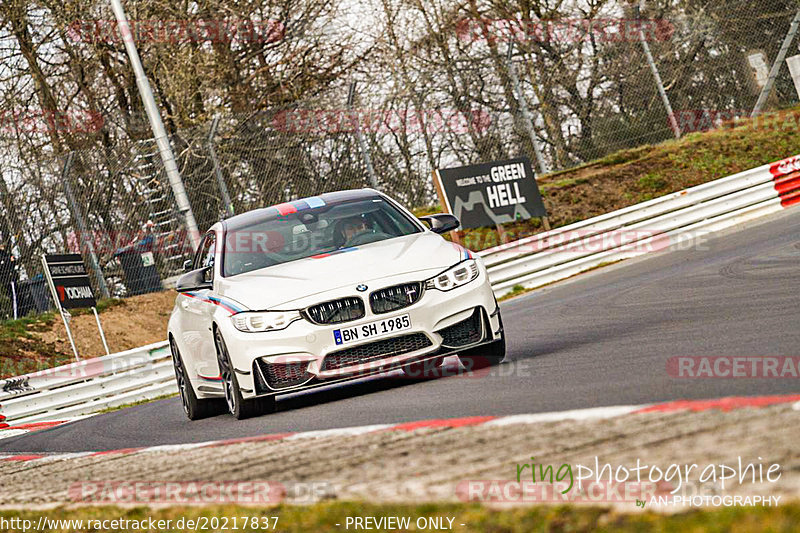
(238, 406)
(491, 354)
(194, 407)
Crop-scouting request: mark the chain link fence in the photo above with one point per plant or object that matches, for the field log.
(564, 89)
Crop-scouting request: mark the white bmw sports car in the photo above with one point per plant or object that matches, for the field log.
(323, 290)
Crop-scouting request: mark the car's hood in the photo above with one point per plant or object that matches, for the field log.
(276, 286)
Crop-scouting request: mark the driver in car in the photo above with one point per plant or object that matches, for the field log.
(351, 227)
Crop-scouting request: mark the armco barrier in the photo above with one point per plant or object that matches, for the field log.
(645, 227)
(88, 386)
(94, 384)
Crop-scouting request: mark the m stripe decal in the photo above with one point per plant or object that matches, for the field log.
(285, 209)
(315, 201)
(224, 303)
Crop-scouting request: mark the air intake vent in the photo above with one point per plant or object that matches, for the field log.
(336, 311)
(394, 298)
(464, 333)
(376, 350)
(284, 375)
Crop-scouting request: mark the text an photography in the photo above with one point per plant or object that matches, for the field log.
(676, 484)
(344, 120)
(178, 31)
(567, 30)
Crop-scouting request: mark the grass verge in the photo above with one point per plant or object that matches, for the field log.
(639, 174)
(138, 402)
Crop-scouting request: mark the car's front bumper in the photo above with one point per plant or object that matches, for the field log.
(305, 344)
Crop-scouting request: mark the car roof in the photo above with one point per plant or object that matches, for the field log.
(328, 198)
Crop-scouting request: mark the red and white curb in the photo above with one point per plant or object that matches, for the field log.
(7, 430)
(596, 413)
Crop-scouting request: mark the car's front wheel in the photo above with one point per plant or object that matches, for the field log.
(238, 406)
(487, 355)
(194, 407)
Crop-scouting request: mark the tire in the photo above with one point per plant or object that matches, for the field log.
(491, 354)
(193, 407)
(238, 406)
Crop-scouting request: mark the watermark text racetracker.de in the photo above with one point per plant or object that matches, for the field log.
(697, 120)
(734, 366)
(431, 121)
(14, 122)
(53, 370)
(476, 367)
(637, 240)
(567, 30)
(208, 492)
(178, 31)
(500, 491)
(200, 523)
(581, 241)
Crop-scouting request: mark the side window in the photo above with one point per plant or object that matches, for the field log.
(205, 254)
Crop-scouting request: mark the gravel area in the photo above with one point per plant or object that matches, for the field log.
(430, 464)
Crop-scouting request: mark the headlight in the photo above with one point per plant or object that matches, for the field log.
(264, 320)
(453, 277)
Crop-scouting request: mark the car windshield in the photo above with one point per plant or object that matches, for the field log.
(312, 232)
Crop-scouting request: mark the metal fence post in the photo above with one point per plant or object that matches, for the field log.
(77, 216)
(223, 188)
(526, 115)
(373, 181)
(673, 121)
(776, 66)
(157, 125)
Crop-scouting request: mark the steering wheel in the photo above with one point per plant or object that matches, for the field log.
(253, 262)
(366, 237)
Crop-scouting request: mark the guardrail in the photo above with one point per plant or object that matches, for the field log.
(643, 228)
(144, 373)
(87, 386)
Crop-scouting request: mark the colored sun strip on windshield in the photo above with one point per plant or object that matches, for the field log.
(288, 208)
(224, 303)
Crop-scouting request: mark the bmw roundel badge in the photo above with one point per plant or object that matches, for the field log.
(361, 287)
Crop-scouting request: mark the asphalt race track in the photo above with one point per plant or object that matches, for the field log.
(602, 339)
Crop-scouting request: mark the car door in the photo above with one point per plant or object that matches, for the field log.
(193, 306)
(207, 366)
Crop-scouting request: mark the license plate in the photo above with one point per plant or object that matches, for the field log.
(370, 330)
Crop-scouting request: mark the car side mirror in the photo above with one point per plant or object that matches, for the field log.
(194, 280)
(187, 265)
(441, 223)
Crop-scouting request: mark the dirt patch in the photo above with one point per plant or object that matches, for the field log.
(427, 465)
(41, 342)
